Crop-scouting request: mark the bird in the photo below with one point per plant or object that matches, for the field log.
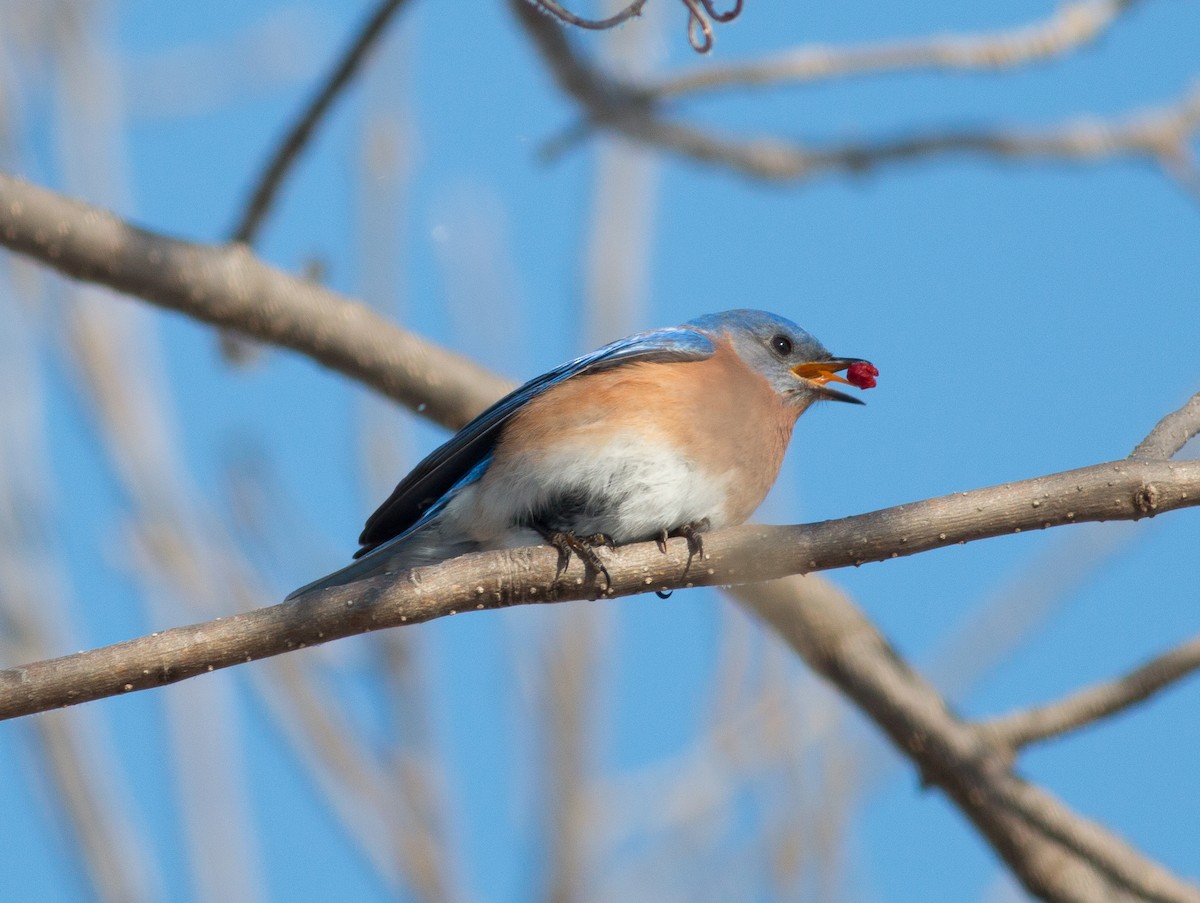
(670, 432)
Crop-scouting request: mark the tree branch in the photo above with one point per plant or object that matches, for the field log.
(227, 286)
(1160, 135)
(288, 151)
(1055, 853)
(1068, 28)
(1171, 433)
(1122, 490)
(1093, 703)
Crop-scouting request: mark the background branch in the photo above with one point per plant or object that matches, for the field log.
(227, 286)
(1089, 705)
(1160, 135)
(1069, 27)
(269, 181)
(1056, 854)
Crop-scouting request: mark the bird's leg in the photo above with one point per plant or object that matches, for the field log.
(567, 541)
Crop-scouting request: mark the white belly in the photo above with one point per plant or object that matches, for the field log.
(619, 488)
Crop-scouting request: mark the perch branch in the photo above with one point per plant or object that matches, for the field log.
(1122, 490)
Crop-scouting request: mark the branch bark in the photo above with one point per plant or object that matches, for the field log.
(227, 286)
(1121, 490)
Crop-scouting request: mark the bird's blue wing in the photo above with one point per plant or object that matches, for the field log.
(458, 462)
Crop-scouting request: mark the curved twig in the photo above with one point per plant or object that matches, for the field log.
(699, 29)
(560, 12)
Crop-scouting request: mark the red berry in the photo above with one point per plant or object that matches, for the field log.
(862, 374)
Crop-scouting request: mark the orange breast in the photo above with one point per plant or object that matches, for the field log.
(722, 414)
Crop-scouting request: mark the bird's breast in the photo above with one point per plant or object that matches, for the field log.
(637, 450)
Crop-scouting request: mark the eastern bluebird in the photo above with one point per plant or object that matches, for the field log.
(668, 432)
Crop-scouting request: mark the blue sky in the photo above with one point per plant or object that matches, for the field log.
(1026, 318)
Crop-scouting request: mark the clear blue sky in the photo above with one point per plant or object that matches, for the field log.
(1025, 319)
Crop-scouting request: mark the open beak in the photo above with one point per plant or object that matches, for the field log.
(818, 375)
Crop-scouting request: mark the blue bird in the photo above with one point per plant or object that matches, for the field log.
(668, 432)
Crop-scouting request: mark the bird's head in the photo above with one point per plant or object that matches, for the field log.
(796, 365)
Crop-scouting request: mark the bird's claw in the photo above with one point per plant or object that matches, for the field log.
(691, 532)
(566, 541)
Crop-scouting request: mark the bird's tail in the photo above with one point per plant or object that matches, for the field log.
(426, 546)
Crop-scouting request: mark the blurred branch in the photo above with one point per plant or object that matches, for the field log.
(1093, 703)
(1125, 490)
(1056, 854)
(1071, 26)
(1161, 135)
(288, 151)
(228, 287)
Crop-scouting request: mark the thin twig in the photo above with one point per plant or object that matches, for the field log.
(1089, 705)
(1171, 433)
(273, 173)
(560, 12)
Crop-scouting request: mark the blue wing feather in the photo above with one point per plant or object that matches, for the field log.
(462, 460)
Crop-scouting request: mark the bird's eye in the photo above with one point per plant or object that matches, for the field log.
(781, 345)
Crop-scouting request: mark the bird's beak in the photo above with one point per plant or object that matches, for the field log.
(819, 373)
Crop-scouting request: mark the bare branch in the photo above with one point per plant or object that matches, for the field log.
(1056, 854)
(271, 178)
(1123, 490)
(1156, 135)
(1093, 703)
(227, 286)
(1172, 432)
(1068, 28)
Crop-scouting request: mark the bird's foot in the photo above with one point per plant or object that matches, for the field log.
(692, 533)
(584, 546)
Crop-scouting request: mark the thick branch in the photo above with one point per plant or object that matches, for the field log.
(1123, 490)
(1057, 854)
(228, 286)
